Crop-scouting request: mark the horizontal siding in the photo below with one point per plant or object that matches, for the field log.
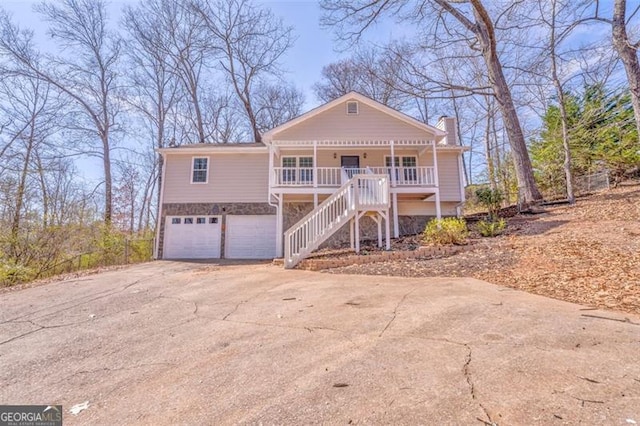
(375, 157)
(240, 178)
(425, 208)
(369, 123)
(448, 173)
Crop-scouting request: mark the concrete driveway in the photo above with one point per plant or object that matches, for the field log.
(181, 343)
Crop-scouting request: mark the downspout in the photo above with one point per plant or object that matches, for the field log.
(160, 201)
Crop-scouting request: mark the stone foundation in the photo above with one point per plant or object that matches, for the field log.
(210, 209)
(408, 225)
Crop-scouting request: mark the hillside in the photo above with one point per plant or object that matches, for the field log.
(588, 254)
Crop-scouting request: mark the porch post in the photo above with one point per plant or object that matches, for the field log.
(396, 225)
(387, 230)
(357, 219)
(315, 174)
(351, 232)
(379, 222)
(393, 165)
(436, 180)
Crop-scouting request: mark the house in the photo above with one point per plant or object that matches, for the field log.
(349, 169)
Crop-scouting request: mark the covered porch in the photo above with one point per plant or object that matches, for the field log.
(318, 168)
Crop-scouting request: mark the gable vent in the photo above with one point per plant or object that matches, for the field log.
(352, 108)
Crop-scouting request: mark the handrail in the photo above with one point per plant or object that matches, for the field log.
(361, 192)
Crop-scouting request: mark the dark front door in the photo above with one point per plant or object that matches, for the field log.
(350, 162)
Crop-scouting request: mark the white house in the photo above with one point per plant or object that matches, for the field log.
(347, 169)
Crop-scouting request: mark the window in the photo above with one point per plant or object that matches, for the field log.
(408, 173)
(352, 108)
(188, 221)
(201, 220)
(200, 170)
(301, 169)
(288, 176)
(213, 220)
(306, 169)
(175, 221)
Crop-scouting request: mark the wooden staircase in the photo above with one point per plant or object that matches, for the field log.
(359, 195)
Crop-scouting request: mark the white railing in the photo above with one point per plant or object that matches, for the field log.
(337, 176)
(362, 192)
(409, 176)
(304, 176)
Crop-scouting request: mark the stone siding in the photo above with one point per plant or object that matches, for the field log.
(408, 225)
(210, 209)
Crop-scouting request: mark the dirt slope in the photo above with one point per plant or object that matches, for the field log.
(589, 254)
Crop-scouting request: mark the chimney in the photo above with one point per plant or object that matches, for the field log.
(448, 124)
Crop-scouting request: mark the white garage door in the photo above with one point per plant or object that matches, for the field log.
(192, 237)
(250, 237)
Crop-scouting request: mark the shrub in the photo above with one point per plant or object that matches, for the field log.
(12, 273)
(491, 228)
(450, 230)
(491, 199)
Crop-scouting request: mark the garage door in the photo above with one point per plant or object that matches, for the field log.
(250, 237)
(192, 237)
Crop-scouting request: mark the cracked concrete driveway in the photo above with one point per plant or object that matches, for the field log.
(180, 343)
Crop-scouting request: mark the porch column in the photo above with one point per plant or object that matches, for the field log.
(387, 231)
(357, 228)
(436, 179)
(393, 165)
(315, 174)
(396, 225)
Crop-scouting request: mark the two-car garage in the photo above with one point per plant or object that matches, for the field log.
(200, 237)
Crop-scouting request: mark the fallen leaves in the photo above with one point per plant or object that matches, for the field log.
(587, 254)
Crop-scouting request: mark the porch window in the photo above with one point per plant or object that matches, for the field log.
(306, 169)
(200, 169)
(297, 170)
(408, 173)
(409, 168)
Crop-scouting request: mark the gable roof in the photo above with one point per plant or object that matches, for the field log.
(268, 136)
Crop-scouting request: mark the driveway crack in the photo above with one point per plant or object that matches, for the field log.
(472, 389)
(395, 311)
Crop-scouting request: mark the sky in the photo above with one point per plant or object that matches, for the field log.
(313, 49)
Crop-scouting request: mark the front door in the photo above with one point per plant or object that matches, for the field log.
(350, 162)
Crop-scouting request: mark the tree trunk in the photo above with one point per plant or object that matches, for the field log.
(108, 181)
(487, 149)
(563, 109)
(15, 224)
(628, 55)
(524, 171)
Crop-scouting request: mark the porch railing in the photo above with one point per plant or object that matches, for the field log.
(336, 176)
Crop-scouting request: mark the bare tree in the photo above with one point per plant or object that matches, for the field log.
(369, 71)
(628, 52)
(476, 28)
(86, 73)
(276, 104)
(249, 40)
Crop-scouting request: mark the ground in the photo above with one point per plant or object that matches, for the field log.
(588, 254)
(189, 343)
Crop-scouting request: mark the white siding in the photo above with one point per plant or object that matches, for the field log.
(369, 123)
(240, 178)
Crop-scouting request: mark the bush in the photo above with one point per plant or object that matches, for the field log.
(491, 200)
(12, 273)
(450, 230)
(491, 228)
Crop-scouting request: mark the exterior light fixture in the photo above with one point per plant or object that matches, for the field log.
(335, 155)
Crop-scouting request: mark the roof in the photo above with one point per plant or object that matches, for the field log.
(236, 147)
(268, 136)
